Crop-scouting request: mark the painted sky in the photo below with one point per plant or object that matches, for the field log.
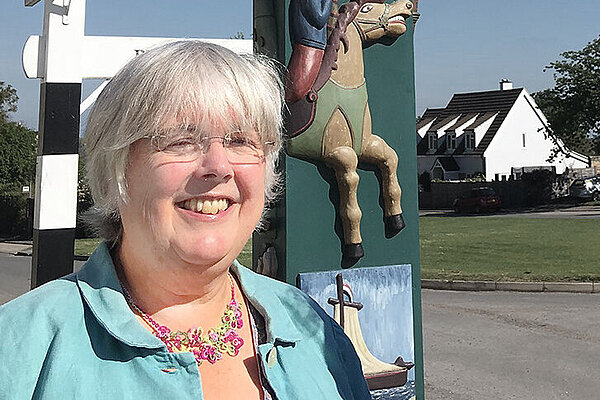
(460, 46)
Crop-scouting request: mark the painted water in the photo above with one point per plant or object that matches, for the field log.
(406, 392)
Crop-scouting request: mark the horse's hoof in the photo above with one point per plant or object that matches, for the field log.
(393, 225)
(352, 253)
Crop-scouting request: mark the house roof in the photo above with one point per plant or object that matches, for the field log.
(481, 118)
(441, 121)
(448, 164)
(485, 105)
(464, 118)
(429, 115)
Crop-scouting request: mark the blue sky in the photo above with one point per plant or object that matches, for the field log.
(462, 45)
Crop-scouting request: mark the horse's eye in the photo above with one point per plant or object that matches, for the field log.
(366, 8)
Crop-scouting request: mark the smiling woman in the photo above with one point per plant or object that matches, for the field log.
(181, 148)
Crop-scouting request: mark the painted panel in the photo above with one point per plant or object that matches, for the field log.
(386, 319)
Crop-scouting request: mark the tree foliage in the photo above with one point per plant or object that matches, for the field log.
(17, 164)
(17, 155)
(573, 105)
(8, 100)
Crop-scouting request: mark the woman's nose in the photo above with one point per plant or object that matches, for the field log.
(215, 163)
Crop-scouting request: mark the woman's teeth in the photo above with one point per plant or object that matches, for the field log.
(206, 206)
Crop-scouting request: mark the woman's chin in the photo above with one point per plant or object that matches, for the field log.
(206, 254)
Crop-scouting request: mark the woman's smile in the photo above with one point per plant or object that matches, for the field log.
(207, 207)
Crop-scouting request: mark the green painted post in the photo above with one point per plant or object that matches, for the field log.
(304, 227)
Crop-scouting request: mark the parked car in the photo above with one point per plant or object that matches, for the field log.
(481, 199)
(585, 188)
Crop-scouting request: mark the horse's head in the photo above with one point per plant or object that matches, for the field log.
(381, 22)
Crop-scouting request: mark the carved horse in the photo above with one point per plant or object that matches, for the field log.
(331, 123)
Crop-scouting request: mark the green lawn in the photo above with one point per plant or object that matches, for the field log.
(489, 248)
(85, 247)
(515, 249)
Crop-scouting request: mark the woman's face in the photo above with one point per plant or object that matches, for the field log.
(200, 212)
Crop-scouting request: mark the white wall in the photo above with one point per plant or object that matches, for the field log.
(483, 128)
(506, 149)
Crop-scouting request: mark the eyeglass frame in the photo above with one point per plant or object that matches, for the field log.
(204, 143)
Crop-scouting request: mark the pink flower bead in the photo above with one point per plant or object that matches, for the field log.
(163, 332)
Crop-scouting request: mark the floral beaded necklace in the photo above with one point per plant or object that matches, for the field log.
(223, 339)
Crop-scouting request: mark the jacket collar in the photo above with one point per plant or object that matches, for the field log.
(102, 292)
(259, 290)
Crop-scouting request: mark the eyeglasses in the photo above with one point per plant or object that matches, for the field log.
(241, 147)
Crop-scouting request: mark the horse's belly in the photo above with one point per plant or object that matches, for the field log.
(328, 128)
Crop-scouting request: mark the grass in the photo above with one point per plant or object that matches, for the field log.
(510, 249)
(85, 247)
(496, 249)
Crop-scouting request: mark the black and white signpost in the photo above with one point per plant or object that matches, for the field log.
(59, 67)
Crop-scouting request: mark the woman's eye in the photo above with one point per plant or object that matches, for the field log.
(241, 140)
(180, 144)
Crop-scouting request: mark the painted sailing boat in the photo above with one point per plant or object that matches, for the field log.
(379, 374)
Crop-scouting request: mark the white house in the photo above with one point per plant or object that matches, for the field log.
(499, 133)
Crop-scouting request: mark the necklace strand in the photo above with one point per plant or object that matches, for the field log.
(217, 341)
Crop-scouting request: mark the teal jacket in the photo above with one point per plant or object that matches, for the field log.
(76, 338)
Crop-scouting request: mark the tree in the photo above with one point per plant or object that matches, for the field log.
(17, 164)
(573, 105)
(8, 101)
(17, 145)
(17, 155)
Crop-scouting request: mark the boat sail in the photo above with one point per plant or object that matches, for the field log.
(379, 374)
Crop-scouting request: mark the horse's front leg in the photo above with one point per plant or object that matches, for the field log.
(343, 160)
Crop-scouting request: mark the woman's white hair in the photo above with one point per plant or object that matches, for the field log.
(189, 83)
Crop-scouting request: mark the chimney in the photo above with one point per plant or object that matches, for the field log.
(505, 84)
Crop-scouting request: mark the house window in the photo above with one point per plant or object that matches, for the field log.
(523, 140)
(451, 140)
(470, 140)
(432, 141)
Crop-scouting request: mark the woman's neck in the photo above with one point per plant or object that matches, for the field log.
(176, 294)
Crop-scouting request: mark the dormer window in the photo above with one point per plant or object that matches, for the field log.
(451, 140)
(470, 140)
(432, 141)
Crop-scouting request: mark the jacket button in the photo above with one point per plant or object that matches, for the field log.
(272, 357)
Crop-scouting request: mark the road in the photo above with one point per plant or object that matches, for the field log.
(570, 212)
(15, 275)
(480, 345)
(506, 345)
